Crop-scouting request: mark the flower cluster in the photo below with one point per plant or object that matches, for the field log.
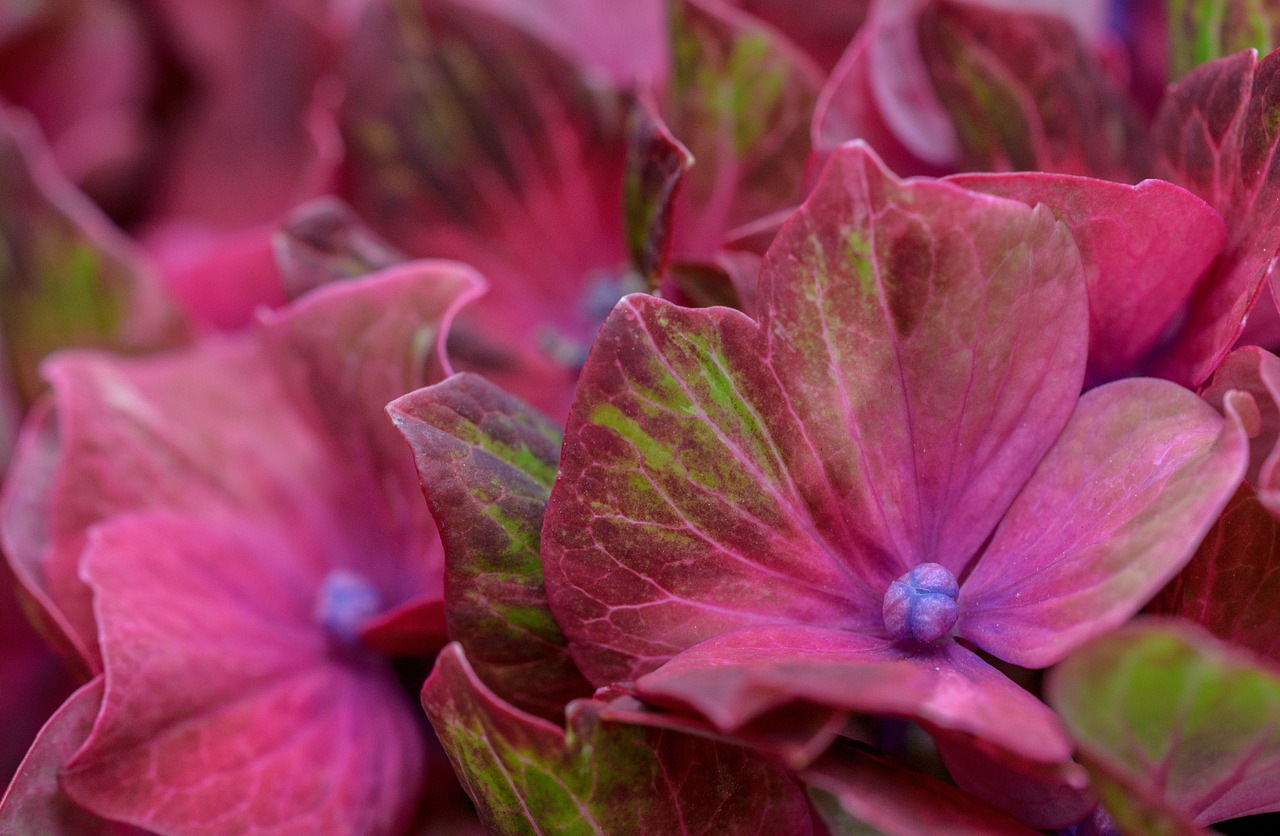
(665, 416)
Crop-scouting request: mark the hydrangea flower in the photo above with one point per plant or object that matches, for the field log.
(837, 504)
(232, 541)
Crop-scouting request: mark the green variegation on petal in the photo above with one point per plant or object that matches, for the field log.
(487, 461)
(67, 278)
(526, 775)
(1177, 728)
(1202, 30)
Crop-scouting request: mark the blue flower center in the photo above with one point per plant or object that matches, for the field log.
(921, 605)
(567, 346)
(344, 602)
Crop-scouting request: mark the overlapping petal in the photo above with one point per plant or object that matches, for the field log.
(1144, 248)
(523, 771)
(487, 461)
(1176, 726)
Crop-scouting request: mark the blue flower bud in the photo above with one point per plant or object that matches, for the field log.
(921, 605)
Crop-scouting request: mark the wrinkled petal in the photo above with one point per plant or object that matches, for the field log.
(737, 677)
(1116, 508)
(35, 802)
(1213, 136)
(1257, 372)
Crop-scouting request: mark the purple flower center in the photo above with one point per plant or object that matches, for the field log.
(921, 605)
(345, 601)
(568, 346)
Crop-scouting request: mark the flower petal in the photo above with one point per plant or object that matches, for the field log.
(1231, 585)
(851, 782)
(215, 667)
(739, 676)
(1143, 249)
(1174, 723)
(522, 771)
(1116, 508)
(1213, 136)
(487, 461)
(919, 348)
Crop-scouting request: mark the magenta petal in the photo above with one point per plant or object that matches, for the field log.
(625, 42)
(324, 241)
(1214, 136)
(35, 802)
(343, 352)
(1042, 795)
(656, 165)
(207, 431)
(1232, 583)
(259, 77)
(875, 791)
(68, 278)
(469, 138)
(920, 346)
(1024, 92)
(794, 734)
(750, 156)
(1253, 370)
(735, 678)
(932, 341)
(524, 772)
(681, 495)
(848, 106)
(1143, 249)
(215, 667)
(1115, 509)
(218, 278)
(415, 628)
(823, 28)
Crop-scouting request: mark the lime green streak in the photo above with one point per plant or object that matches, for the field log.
(1203, 30)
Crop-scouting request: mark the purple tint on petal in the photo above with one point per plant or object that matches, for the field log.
(344, 602)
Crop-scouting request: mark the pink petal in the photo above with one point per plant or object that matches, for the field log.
(1116, 508)
(1144, 247)
(737, 677)
(226, 706)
